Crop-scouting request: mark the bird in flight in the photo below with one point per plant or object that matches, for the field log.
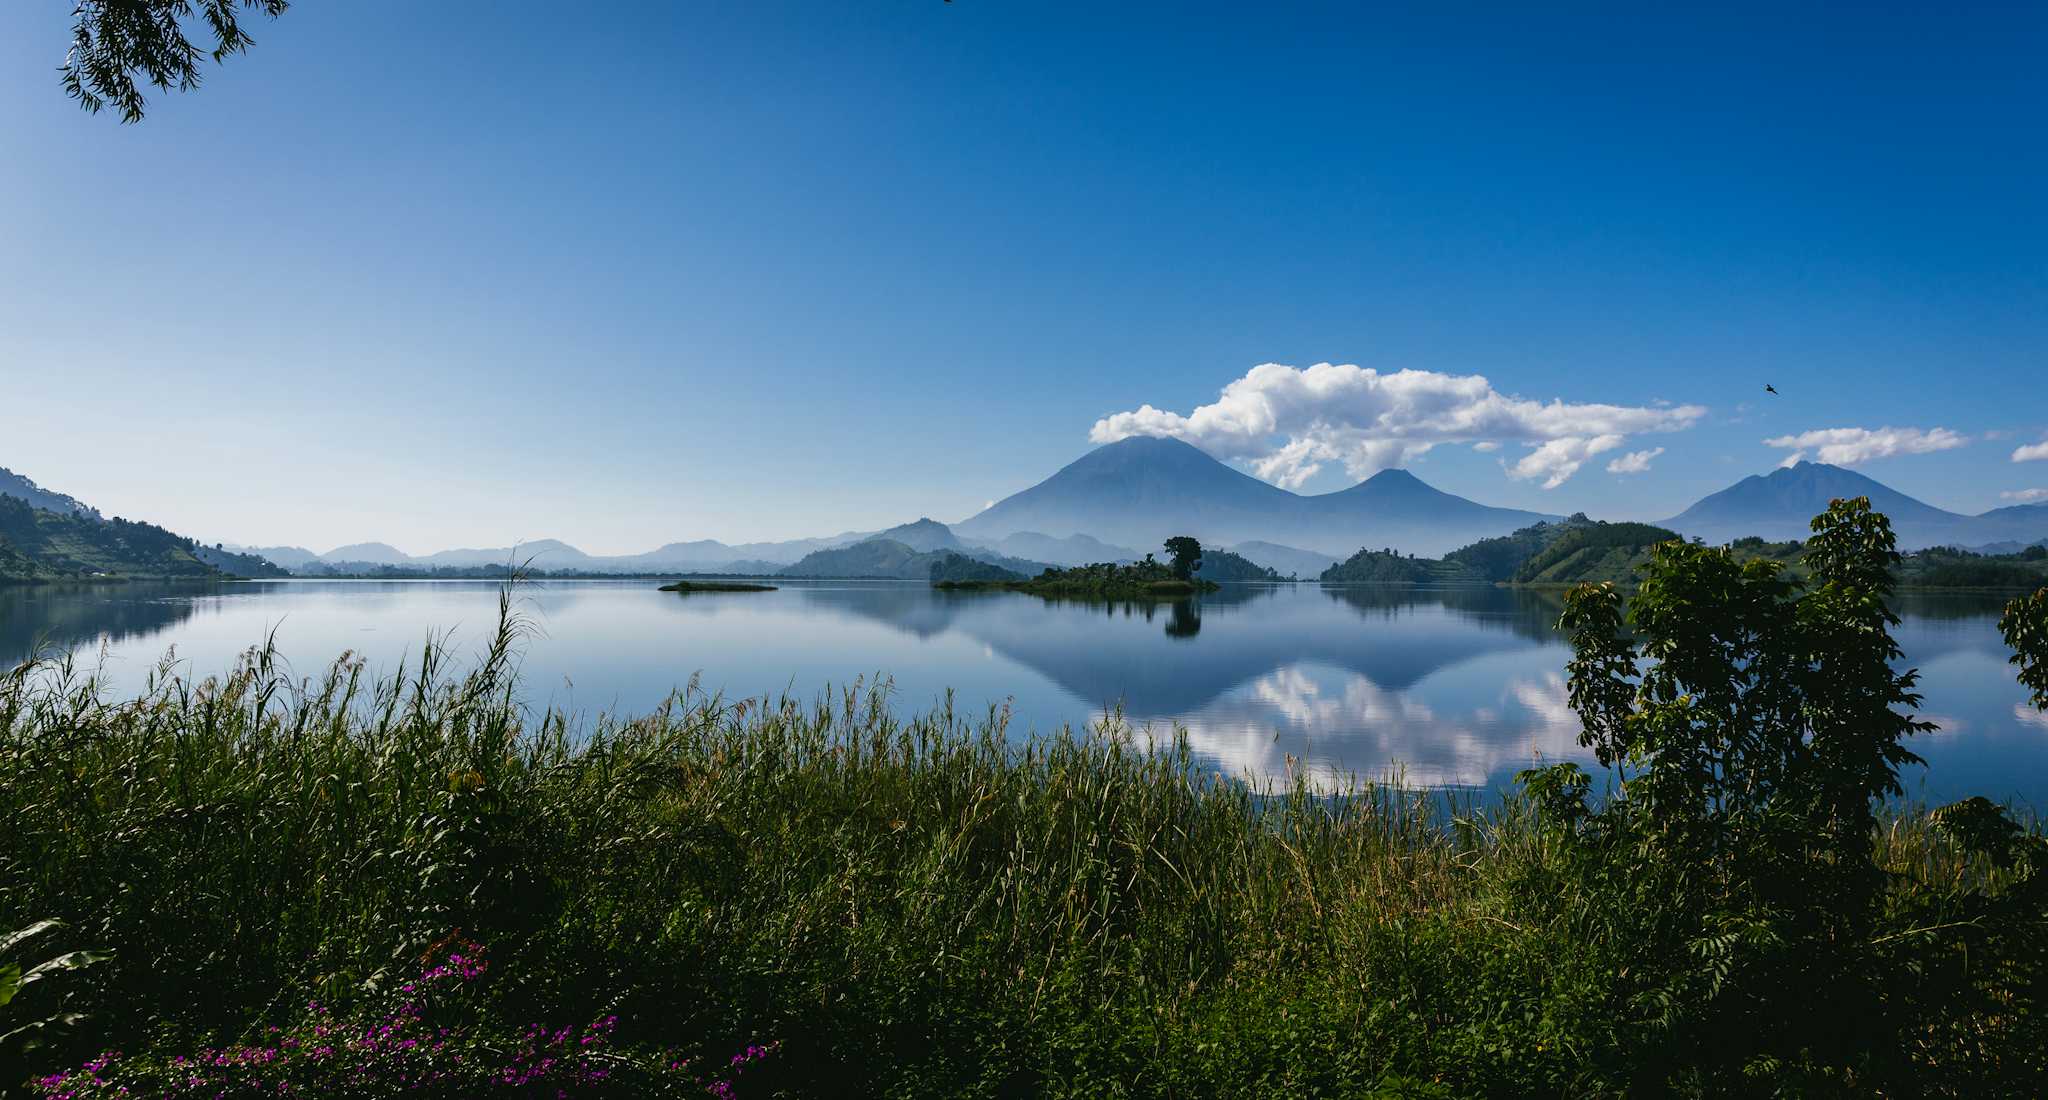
(1768, 388)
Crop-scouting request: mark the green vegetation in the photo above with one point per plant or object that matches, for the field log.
(49, 500)
(1222, 565)
(1140, 580)
(419, 886)
(1583, 551)
(38, 546)
(1595, 553)
(1496, 559)
(1949, 567)
(863, 905)
(952, 569)
(716, 586)
(1184, 556)
(113, 42)
(1389, 566)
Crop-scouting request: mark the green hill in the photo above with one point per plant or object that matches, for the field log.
(1949, 567)
(1138, 580)
(39, 545)
(1593, 552)
(1222, 565)
(1497, 559)
(954, 568)
(1391, 567)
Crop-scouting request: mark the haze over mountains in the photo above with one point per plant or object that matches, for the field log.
(1121, 500)
(1140, 491)
(1779, 505)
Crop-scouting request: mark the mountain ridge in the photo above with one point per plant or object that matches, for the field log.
(1781, 505)
(1140, 490)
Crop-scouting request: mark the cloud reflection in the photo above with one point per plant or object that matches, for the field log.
(1334, 726)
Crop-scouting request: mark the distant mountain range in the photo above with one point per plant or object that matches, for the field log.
(49, 536)
(1781, 504)
(1122, 500)
(1142, 490)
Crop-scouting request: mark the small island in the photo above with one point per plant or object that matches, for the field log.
(1149, 579)
(717, 586)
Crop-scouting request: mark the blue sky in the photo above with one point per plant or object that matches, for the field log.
(462, 274)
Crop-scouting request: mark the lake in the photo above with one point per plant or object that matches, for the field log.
(1456, 687)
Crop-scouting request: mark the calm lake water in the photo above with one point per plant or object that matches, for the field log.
(1456, 687)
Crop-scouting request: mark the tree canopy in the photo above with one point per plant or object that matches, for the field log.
(118, 46)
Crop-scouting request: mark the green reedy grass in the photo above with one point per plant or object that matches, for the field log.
(913, 906)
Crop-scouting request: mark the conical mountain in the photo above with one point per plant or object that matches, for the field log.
(1782, 503)
(923, 535)
(1138, 491)
(1411, 515)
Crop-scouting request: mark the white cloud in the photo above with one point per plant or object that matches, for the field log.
(2025, 496)
(1486, 446)
(2032, 452)
(1851, 446)
(1559, 459)
(1634, 462)
(1287, 423)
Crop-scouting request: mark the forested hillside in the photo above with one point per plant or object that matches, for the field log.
(39, 545)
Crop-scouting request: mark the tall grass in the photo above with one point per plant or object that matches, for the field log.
(910, 906)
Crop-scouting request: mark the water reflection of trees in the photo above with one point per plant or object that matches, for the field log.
(68, 617)
(1530, 613)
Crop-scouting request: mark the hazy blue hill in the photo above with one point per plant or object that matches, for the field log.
(1284, 560)
(376, 553)
(35, 496)
(1070, 550)
(1782, 504)
(288, 557)
(714, 556)
(543, 553)
(1394, 508)
(924, 535)
(1140, 491)
(887, 558)
(238, 564)
(1399, 494)
(2017, 526)
(2019, 513)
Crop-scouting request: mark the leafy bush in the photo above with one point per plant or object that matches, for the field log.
(32, 1016)
(928, 907)
(1759, 725)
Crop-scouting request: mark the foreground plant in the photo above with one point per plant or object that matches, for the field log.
(1759, 725)
(926, 906)
(31, 1016)
(432, 1038)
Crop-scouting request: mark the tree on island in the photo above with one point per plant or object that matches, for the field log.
(113, 42)
(1186, 553)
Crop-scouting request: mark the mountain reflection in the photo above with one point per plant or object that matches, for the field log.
(1334, 727)
(1454, 687)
